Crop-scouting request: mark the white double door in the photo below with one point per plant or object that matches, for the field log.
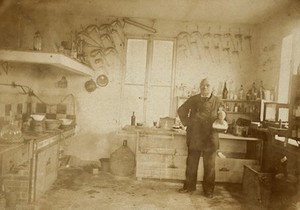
(148, 81)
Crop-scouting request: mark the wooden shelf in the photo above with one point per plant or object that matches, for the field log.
(54, 59)
(241, 101)
(246, 113)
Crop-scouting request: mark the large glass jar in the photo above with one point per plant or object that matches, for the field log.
(11, 133)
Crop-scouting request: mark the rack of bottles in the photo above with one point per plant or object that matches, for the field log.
(242, 106)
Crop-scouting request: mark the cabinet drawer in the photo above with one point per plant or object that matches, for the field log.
(228, 145)
(161, 144)
(14, 158)
(231, 170)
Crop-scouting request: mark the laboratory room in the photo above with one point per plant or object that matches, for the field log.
(138, 104)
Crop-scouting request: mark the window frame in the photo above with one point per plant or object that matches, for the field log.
(150, 39)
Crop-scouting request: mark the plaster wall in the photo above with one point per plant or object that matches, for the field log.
(269, 43)
(98, 112)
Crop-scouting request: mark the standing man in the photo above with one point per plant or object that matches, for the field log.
(198, 113)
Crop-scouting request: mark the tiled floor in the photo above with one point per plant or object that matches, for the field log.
(79, 189)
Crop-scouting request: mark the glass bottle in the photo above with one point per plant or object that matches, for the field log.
(261, 90)
(132, 119)
(11, 132)
(37, 41)
(253, 91)
(236, 108)
(225, 92)
(241, 93)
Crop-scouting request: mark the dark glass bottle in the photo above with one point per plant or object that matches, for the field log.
(241, 93)
(132, 119)
(225, 92)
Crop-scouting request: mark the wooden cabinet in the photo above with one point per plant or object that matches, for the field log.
(163, 155)
(160, 156)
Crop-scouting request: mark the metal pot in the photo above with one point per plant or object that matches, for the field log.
(102, 80)
(90, 85)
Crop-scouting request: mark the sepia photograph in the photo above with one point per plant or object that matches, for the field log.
(150, 104)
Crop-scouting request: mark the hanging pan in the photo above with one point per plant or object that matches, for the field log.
(102, 80)
(90, 85)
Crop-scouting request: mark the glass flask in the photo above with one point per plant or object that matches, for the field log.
(11, 132)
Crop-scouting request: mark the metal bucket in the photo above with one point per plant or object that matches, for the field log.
(105, 164)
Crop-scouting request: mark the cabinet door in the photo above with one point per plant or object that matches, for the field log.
(46, 170)
(14, 158)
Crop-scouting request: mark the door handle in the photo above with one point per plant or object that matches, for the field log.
(144, 98)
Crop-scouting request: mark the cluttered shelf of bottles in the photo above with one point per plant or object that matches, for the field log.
(229, 92)
(237, 102)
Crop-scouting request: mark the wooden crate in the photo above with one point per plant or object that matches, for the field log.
(256, 186)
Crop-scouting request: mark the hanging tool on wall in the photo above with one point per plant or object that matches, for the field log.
(139, 25)
(227, 49)
(91, 33)
(249, 37)
(236, 53)
(199, 38)
(207, 39)
(118, 35)
(107, 41)
(239, 37)
(229, 37)
(90, 40)
(217, 43)
(194, 42)
(105, 29)
(183, 43)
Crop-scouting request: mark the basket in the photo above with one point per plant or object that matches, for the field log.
(52, 124)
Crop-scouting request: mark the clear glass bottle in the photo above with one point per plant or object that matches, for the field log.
(37, 41)
(253, 91)
(261, 90)
(11, 133)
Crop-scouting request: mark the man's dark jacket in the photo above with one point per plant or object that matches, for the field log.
(198, 114)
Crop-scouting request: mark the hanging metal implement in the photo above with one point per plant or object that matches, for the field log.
(139, 25)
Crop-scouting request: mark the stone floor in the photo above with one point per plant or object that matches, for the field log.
(79, 189)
